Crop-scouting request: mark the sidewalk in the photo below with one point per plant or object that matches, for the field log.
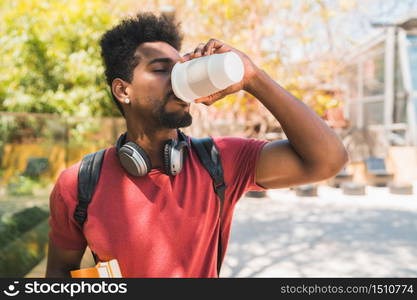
(331, 235)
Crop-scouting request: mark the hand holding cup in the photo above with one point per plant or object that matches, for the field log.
(214, 46)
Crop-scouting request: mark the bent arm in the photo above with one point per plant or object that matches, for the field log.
(313, 151)
(62, 261)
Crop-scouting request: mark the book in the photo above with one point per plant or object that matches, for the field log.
(107, 269)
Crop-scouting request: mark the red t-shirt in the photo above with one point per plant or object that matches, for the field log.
(156, 225)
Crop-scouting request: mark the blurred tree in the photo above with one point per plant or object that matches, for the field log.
(50, 57)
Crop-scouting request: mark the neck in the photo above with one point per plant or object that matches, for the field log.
(152, 140)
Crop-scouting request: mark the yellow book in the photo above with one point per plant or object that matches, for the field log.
(107, 269)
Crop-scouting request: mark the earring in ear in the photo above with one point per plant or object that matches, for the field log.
(127, 100)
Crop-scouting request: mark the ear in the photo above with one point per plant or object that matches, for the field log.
(120, 89)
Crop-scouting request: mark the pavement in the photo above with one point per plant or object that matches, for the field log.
(331, 235)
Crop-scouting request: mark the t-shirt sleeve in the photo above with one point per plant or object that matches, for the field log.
(239, 157)
(64, 231)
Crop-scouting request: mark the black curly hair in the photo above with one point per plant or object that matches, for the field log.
(118, 45)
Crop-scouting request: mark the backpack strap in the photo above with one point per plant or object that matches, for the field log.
(88, 175)
(210, 158)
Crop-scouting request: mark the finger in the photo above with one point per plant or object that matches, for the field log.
(201, 100)
(185, 57)
(214, 46)
(198, 51)
(211, 99)
(208, 49)
(207, 102)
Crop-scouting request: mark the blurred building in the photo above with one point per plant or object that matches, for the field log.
(379, 84)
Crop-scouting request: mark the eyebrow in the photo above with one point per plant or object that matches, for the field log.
(162, 59)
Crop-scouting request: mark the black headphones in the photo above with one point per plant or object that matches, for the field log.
(137, 163)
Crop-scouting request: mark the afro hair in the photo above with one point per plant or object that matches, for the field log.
(118, 45)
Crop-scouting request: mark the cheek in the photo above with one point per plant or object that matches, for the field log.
(147, 85)
(139, 88)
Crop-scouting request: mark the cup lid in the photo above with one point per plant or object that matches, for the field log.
(179, 83)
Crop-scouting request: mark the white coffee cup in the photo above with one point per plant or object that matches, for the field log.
(206, 75)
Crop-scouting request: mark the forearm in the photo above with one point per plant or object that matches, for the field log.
(57, 273)
(315, 143)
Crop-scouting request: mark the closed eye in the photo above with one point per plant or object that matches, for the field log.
(160, 70)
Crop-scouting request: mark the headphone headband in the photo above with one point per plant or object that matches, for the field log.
(136, 162)
(122, 139)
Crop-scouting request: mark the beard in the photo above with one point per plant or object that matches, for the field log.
(177, 119)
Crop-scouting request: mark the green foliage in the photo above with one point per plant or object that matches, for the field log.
(25, 252)
(6, 126)
(20, 222)
(51, 58)
(22, 186)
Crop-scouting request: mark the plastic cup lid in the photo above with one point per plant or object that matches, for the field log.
(179, 83)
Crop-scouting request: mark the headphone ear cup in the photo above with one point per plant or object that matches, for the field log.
(167, 157)
(134, 159)
(173, 156)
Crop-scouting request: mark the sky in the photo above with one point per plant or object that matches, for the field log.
(351, 28)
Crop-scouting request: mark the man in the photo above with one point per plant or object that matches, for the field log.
(161, 225)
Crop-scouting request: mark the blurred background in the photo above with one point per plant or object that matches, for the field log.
(353, 62)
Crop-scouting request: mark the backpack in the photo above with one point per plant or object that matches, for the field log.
(89, 173)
